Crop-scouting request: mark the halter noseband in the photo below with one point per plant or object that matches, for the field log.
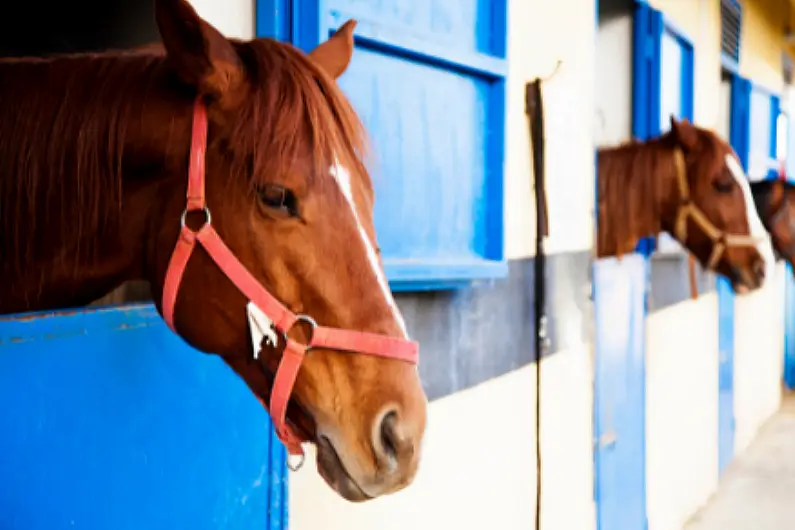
(278, 316)
(721, 241)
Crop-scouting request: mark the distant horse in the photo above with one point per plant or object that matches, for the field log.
(775, 201)
(229, 175)
(687, 182)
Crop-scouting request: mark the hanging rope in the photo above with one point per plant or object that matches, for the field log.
(535, 114)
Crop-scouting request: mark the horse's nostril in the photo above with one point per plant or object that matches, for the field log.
(388, 433)
(391, 439)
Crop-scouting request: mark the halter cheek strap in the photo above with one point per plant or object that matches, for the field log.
(721, 241)
(278, 316)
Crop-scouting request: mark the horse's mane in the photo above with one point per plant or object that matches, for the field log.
(631, 186)
(66, 120)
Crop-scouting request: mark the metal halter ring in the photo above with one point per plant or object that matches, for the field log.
(295, 467)
(208, 219)
(307, 320)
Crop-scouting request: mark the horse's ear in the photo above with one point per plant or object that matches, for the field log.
(685, 133)
(335, 54)
(198, 52)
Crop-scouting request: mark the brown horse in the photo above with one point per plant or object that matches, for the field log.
(687, 182)
(96, 150)
(775, 202)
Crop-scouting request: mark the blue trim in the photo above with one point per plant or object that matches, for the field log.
(789, 328)
(740, 119)
(406, 47)
(410, 275)
(739, 138)
(273, 18)
(726, 423)
(775, 110)
(646, 67)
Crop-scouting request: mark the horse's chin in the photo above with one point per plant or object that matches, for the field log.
(331, 468)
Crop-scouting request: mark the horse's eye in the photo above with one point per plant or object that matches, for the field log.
(278, 198)
(723, 186)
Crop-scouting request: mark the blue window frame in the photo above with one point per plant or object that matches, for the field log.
(663, 81)
(428, 81)
(762, 146)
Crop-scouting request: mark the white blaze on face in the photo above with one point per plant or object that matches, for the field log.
(343, 179)
(756, 228)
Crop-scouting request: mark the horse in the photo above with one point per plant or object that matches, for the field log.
(775, 202)
(231, 176)
(687, 182)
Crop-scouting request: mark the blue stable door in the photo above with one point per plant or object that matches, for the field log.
(620, 298)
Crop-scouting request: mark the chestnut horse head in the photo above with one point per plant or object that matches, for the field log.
(689, 183)
(97, 151)
(775, 201)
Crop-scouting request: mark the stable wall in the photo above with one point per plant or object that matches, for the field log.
(685, 334)
(682, 334)
(479, 463)
(759, 317)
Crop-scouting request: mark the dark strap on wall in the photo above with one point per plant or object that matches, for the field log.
(534, 108)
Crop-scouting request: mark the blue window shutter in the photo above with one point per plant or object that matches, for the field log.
(740, 122)
(775, 108)
(647, 35)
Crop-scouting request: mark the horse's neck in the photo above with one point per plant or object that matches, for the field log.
(65, 276)
(631, 205)
(65, 281)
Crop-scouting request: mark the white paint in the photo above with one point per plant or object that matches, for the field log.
(541, 33)
(233, 18)
(470, 478)
(343, 179)
(681, 410)
(756, 228)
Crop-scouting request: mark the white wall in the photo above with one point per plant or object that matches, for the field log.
(682, 412)
(542, 33)
(758, 357)
(233, 18)
(613, 120)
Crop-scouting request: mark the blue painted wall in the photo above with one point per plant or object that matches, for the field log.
(428, 80)
(109, 420)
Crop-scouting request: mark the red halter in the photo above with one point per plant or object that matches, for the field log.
(283, 319)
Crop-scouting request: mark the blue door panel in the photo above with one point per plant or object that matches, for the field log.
(109, 420)
(789, 330)
(739, 131)
(725, 372)
(620, 401)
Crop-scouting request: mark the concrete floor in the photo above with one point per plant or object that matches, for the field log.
(757, 492)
